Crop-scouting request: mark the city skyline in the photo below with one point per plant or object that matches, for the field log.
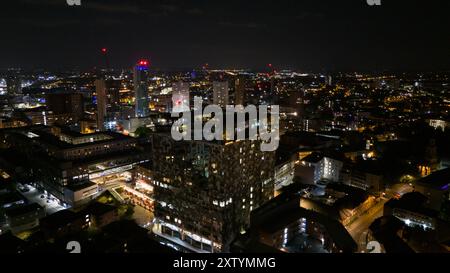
(237, 127)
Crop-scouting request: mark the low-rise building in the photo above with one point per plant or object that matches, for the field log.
(63, 162)
(317, 166)
(296, 230)
(436, 188)
(24, 217)
(364, 176)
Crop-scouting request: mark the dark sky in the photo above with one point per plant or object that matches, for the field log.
(319, 35)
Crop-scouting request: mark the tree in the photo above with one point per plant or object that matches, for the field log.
(142, 132)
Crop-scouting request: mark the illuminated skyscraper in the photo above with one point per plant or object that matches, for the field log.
(100, 90)
(220, 93)
(180, 97)
(239, 93)
(141, 88)
(329, 80)
(13, 84)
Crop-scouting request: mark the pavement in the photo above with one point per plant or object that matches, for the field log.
(143, 217)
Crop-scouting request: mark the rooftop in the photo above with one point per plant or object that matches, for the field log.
(412, 201)
(60, 218)
(23, 210)
(439, 180)
(77, 187)
(97, 208)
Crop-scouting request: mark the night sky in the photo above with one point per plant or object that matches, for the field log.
(310, 35)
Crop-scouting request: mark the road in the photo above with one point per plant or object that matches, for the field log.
(359, 228)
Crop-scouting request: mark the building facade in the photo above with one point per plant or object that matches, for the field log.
(141, 89)
(205, 191)
(100, 90)
(220, 93)
(64, 162)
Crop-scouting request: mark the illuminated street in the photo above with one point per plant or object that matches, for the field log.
(358, 229)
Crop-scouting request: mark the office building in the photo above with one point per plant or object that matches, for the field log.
(113, 93)
(141, 88)
(239, 91)
(364, 176)
(220, 93)
(100, 90)
(13, 85)
(65, 163)
(316, 167)
(68, 107)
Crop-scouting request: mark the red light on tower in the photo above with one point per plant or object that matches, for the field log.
(104, 50)
(143, 62)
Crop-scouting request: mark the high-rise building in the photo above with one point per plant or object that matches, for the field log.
(239, 91)
(141, 88)
(220, 93)
(180, 97)
(113, 93)
(66, 107)
(204, 191)
(100, 90)
(329, 80)
(13, 85)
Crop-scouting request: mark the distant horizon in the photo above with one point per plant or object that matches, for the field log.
(190, 69)
(305, 35)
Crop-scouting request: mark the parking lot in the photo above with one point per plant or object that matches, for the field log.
(48, 202)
